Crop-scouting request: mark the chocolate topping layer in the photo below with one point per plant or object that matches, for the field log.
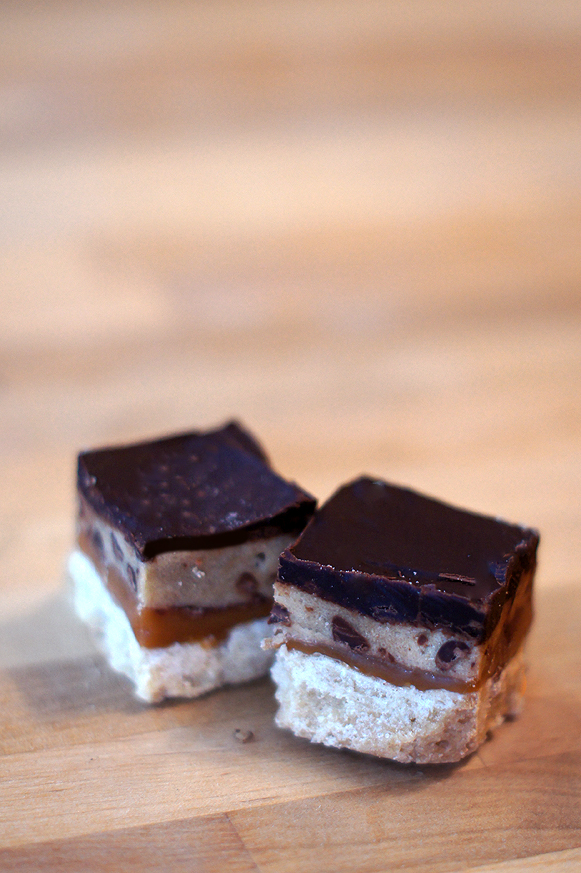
(396, 555)
(191, 490)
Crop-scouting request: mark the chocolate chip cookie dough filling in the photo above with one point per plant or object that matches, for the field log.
(178, 542)
(399, 624)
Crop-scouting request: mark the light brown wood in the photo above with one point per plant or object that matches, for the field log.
(356, 228)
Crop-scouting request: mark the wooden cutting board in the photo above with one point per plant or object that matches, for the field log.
(93, 780)
(354, 226)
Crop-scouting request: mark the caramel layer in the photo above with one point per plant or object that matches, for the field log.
(159, 628)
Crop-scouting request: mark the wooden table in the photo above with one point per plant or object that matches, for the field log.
(356, 228)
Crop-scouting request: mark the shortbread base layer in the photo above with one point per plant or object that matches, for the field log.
(179, 670)
(327, 701)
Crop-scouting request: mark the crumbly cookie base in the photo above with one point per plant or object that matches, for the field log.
(180, 670)
(327, 701)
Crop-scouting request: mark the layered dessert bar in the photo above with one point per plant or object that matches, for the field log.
(178, 542)
(399, 624)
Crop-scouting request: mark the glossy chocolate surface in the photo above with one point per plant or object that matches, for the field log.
(396, 555)
(193, 490)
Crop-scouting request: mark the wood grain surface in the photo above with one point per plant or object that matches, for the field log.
(356, 228)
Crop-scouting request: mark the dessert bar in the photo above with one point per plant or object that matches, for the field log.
(178, 542)
(399, 624)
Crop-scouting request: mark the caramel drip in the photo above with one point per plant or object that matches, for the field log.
(159, 628)
(511, 630)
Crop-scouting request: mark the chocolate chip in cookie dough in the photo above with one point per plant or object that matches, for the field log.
(450, 652)
(343, 632)
(279, 614)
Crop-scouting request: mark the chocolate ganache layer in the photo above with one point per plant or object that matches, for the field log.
(398, 556)
(193, 490)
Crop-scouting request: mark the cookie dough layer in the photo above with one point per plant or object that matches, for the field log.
(182, 596)
(212, 577)
(178, 670)
(432, 656)
(327, 701)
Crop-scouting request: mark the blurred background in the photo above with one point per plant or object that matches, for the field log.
(353, 226)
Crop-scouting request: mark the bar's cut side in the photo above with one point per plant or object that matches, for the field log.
(399, 624)
(178, 541)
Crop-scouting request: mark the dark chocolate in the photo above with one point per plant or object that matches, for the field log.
(344, 632)
(247, 584)
(450, 652)
(399, 556)
(193, 490)
(279, 614)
